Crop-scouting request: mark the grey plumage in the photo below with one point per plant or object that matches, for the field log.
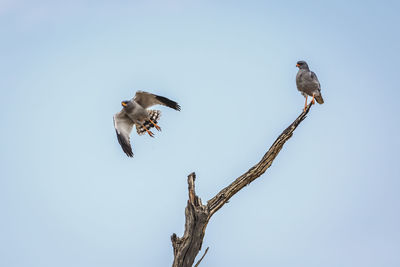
(307, 82)
(135, 112)
(123, 127)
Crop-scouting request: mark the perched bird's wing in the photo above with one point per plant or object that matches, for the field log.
(318, 97)
(147, 100)
(123, 127)
(314, 79)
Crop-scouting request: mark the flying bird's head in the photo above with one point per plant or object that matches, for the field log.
(126, 103)
(302, 65)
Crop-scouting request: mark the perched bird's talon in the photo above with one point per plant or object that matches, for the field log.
(313, 99)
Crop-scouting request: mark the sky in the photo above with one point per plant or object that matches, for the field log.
(69, 196)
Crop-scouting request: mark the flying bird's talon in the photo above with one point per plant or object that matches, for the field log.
(155, 125)
(150, 133)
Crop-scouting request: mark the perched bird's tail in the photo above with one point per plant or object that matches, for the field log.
(154, 116)
(319, 99)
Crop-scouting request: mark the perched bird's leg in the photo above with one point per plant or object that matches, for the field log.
(155, 125)
(147, 130)
(305, 105)
(313, 101)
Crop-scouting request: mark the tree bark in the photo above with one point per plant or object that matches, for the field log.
(198, 215)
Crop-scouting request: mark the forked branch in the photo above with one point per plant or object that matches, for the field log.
(198, 215)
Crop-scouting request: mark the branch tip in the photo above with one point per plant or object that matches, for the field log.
(205, 252)
(191, 188)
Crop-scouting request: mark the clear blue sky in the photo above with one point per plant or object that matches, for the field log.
(70, 197)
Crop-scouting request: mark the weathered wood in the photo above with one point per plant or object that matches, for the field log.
(187, 247)
(205, 252)
(198, 215)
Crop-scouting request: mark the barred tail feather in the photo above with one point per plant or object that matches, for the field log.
(319, 99)
(154, 115)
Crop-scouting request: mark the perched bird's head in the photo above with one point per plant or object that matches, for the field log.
(302, 64)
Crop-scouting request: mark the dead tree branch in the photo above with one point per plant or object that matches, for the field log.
(205, 252)
(198, 215)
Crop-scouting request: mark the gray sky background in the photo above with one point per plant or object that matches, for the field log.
(70, 197)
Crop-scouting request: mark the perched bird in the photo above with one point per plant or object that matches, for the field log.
(135, 112)
(308, 84)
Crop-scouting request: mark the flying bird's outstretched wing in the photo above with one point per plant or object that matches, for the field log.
(123, 126)
(147, 100)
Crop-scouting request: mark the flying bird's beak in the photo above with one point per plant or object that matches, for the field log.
(297, 65)
(123, 103)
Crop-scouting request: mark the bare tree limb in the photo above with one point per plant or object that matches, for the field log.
(187, 247)
(205, 252)
(198, 215)
(257, 170)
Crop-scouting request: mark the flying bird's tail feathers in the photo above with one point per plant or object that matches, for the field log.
(319, 99)
(154, 115)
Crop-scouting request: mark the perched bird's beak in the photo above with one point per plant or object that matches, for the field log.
(297, 65)
(123, 103)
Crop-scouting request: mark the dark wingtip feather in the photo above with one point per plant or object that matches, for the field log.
(168, 102)
(125, 147)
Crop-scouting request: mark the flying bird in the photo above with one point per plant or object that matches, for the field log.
(136, 112)
(308, 84)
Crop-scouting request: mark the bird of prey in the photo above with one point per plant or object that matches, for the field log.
(308, 84)
(136, 112)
